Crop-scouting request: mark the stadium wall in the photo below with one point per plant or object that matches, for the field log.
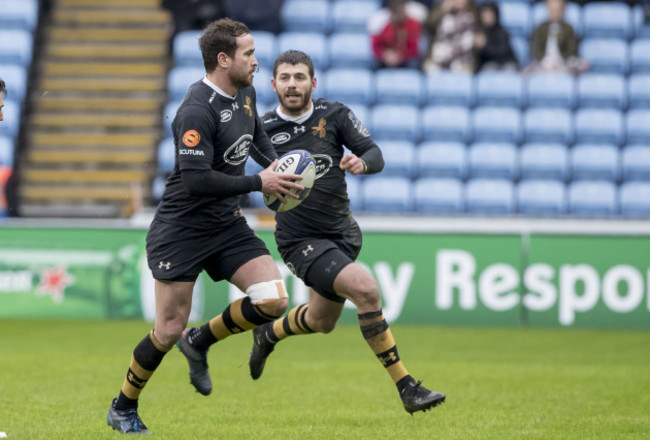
(456, 271)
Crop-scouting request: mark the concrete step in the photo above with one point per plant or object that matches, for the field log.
(70, 175)
(40, 139)
(109, 3)
(78, 156)
(144, 17)
(84, 103)
(63, 120)
(131, 34)
(102, 51)
(115, 69)
(84, 84)
(116, 192)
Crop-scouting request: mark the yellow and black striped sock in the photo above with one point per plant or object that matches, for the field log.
(241, 315)
(292, 324)
(377, 334)
(146, 357)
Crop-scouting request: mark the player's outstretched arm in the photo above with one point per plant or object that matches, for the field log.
(279, 185)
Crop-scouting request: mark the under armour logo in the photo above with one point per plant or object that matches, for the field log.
(300, 129)
(166, 265)
(389, 357)
(235, 106)
(307, 250)
(330, 267)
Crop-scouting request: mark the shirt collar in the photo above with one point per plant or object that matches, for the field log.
(297, 119)
(216, 88)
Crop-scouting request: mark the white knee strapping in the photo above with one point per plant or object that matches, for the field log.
(266, 290)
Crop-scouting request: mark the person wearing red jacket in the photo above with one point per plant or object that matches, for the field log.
(395, 37)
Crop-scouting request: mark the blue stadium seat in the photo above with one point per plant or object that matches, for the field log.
(387, 194)
(180, 78)
(499, 88)
(639, 91)
(16, 46)
(493, 160)
(349, 86)
(572, 15)
(637, 127)
(490, 196)
(607, 19)
(521, 48)
(516, 18)
(592, 198)
(606, 55)
(635, 199)
(262, 82)
(449, 88)
(351, 16)
(438, 196)
(6, 151)
(256, 200)
(442, 159)
(594, 162)
(641, 29)
(312, 43)
(599, 126)
(251, 167)
(399, 86)
(353, 184)
(15, 76)
(11, 124)
(158, 188)
(544, 161)
(635, 162)
(640, 56)
(166, 155)
(398, 122)
(186, 51)
(442, 123)
(306, 16)
(169, 113)
(19, 14)
(602, 90)
(551, 90)
(266, 48)
(496, 124)
(548, 125)
(399, 158)
(541, 198)
(350, 49)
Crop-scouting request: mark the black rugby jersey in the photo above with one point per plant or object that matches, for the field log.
(212, 132)
(331, 126)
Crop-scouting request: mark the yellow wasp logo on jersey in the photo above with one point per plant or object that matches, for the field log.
(319, 130)
(247, 106)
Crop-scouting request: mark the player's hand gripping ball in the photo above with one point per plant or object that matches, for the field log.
(294, 162)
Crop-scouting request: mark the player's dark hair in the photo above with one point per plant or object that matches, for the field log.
(220, 36)
(3, 88)
(293, 57)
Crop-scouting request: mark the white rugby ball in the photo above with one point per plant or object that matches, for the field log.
(294, 162)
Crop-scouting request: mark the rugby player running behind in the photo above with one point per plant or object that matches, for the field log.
(198, 224)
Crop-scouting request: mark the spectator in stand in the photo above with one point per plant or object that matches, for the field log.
(259, 15)
(451, 28)
(492, 41)
(395, 37)
(554, 46)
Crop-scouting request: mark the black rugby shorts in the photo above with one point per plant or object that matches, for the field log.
(177, 253)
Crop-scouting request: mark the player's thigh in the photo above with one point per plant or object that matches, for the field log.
(173, 306)
(357, 284)
(323, 309)
(256, 270)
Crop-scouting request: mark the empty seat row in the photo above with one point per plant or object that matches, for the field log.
(537, 198)
(19, 14)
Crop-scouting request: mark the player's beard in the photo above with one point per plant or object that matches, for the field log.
(242, 80)
(297, 107)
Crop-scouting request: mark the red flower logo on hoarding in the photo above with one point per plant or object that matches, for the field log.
(54, 281)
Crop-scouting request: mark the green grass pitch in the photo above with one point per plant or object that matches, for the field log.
(57, 379)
